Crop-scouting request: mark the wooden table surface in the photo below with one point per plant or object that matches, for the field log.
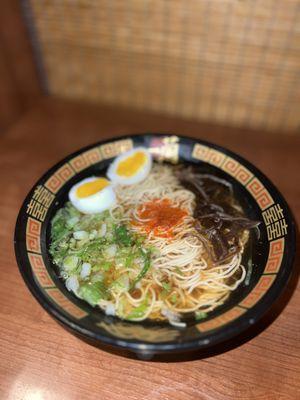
(39, 360)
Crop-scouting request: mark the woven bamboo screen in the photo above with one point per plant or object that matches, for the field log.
(225, 61)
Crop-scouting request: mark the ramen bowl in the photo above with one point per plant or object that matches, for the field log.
(268, 256)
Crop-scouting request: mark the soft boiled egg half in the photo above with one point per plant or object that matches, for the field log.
(130, 167)
(92, 195)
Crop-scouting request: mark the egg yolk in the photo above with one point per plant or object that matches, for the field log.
(89, 188)
(131, 164)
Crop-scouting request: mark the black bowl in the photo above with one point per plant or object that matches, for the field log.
(269, 257)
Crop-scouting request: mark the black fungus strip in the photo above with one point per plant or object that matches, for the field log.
(221, 222)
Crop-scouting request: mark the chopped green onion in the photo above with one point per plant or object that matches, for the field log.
(106, 265)
(70, 263)
(173, 298)
(147, 264)
(139, 311)
(200, 315)
(166, 286)
(129, 260)
(178, 271)
(122, 282)
(122, 235)
(93, 293)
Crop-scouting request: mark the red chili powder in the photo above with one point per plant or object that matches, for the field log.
(161, 217)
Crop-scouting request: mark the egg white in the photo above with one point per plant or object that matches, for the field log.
(139, 176)
(98, 202)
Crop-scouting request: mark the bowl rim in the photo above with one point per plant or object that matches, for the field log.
(223, 334)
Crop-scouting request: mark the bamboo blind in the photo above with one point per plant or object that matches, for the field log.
(226, 61)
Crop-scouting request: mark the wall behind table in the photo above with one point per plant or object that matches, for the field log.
(19, 84)
(225, 61)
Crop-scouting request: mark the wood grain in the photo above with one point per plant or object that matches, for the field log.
(41, 361)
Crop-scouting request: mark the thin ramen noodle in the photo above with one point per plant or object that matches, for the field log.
(155, 253)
